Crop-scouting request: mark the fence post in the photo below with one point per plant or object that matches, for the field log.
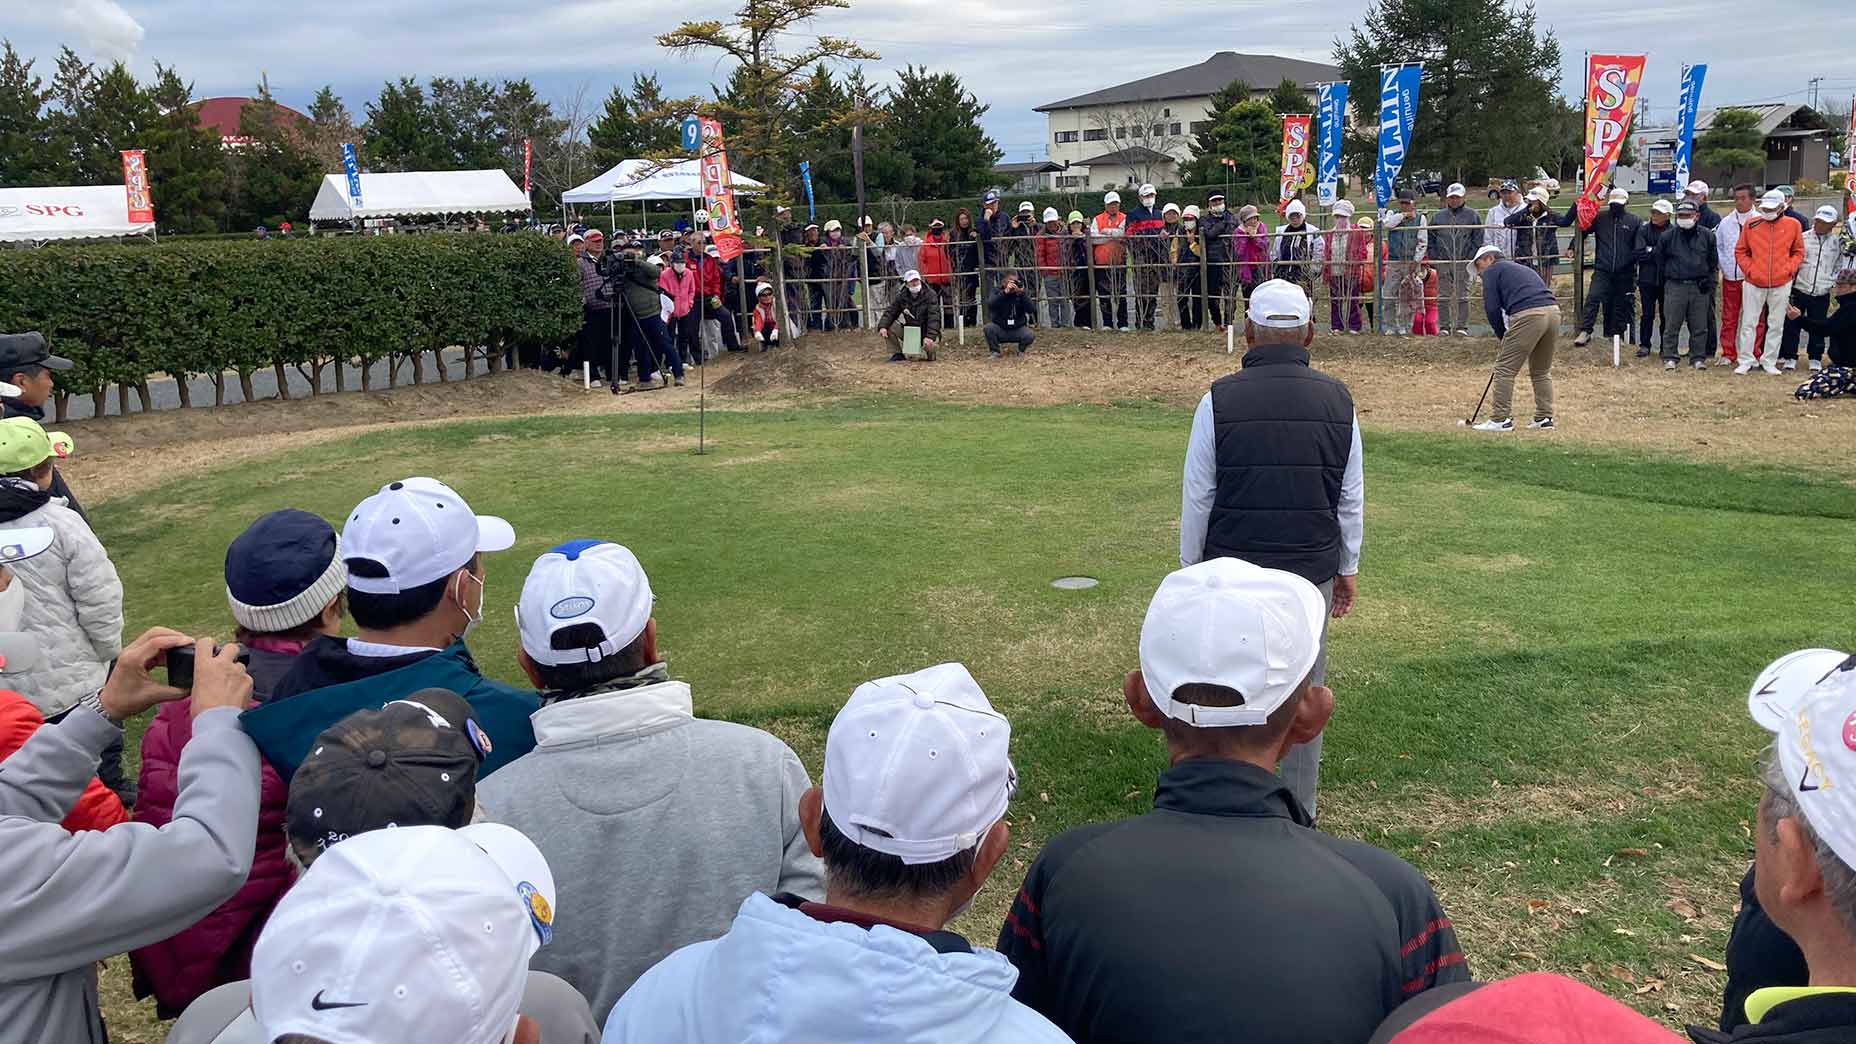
(1095, 299)
(1379, 275)
(782, 313)
(742, 296)
(979, 288)
(863, 275)
(1205, 300)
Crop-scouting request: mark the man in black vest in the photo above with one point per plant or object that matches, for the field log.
(1273, 476)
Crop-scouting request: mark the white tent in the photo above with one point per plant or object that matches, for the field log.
(418, 192)
(72, 212)
(636, 180)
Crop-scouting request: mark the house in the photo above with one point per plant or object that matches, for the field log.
(1797, 149)
(1025, 177)
(1143, 130)
(222, 115)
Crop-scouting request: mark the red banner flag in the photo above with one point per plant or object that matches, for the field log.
(135, 183)
(717, 191)
(1611, 82)
(528, 156)
(1296, 173)
(1849, 153)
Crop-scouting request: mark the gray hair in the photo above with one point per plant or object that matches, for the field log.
(1839, 879)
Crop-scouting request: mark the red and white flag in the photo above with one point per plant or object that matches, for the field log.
(1296, 173)
(717, 191)
(135, 183)
(1611, 82)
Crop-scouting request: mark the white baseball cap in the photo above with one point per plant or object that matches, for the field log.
(1816, 746)
(582, 582)
(1773, 200)
(1279, 304)
(1697, 187)
(1456, 189)
(911, 276)
(421, 531)
(1112, 197)
(1618, 195)
(1662, 206)
(1050, 214)
(1343, 208)
(1227, 622)
(1540, 193)
(1170, 208)
(1781, 687)
(1295, 206)
(409, 933)
(1147, 190)
(918, 766)
(1026, 207)
(1484, 251)
(1826, 213)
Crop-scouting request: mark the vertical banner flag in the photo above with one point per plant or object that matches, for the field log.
(718, 193)
(1849, 153)
(1398, 111)
(1331, 111)
(805, 175)
(1295, 169)
(1687, 106)
(354, 174)
(135, 183)
(1610, 95)
(528, 160)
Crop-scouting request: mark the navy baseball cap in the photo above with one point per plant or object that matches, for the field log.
(28, 349)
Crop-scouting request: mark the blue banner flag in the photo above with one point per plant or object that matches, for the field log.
(354, 175)
(1686, 107)
(805, 175)
(691, 129)
(1331, 114)
(1398, 110)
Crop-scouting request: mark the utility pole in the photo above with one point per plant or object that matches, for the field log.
(857, 168)
(1815, 80)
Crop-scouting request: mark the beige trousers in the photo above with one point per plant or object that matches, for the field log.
(1529, 341)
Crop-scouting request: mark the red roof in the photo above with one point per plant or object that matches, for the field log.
(222, 114)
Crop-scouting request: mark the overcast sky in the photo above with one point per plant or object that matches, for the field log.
(1012, 55)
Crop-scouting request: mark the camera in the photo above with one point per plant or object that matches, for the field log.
(180, 665)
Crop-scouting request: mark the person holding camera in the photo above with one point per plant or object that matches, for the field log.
(1009, 318)
(73, 899)
(594, 346)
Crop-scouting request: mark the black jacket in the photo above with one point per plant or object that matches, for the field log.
(1614, 238)
(1839, 326)
(1759, 954)
(1687, 256)
(1011, 311)
(1284, 432)
(1114, 915)
(1536, 236)
(15, 408)
(1826, 1018)
(914, 309)
(1217, 229)
(1649, 266)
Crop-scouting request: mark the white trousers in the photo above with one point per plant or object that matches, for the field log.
(1753, 298)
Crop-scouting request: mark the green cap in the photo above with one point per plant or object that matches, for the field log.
(24, 445)
(1076, 215)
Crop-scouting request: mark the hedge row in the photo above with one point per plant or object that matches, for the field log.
(126, 314)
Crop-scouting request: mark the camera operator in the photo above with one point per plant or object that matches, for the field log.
(594, 346)
(643, 336)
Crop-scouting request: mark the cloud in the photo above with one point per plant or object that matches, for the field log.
(107, 30)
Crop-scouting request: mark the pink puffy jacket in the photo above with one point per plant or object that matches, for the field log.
(681, 289)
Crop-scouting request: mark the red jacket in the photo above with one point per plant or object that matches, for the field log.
(709, 272)
(1051, 248)
(933, 259)
(97, 808)
(217, 950)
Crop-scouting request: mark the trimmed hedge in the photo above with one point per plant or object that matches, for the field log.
(126, 313)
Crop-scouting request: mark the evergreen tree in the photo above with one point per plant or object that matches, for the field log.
(936, 126)
(1289, 98)
(275, 176)
(1732, 144)
(330, 127)
(25, 146)
(402, 131)
(1243, 130)
(186, 165)
(464, 122)
(521, 115)
(614, 135)
(635, 125)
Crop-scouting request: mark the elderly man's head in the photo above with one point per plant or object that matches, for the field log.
(1278, 313)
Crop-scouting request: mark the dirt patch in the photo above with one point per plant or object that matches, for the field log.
(1487, 564)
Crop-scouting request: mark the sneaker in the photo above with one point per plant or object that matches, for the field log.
(1769, 367)
(993, 357)
(1723, 360)
(619, 386)
(596, 383)
(1788, 364)
(1746, 367)
(898, 357)
(1816, 366)
(1542, 424)
(1670, 364)
(1127, 329)
(680, 380)
(1584, 338)
(1701, 364)
(1496, 425)
(1464, 333)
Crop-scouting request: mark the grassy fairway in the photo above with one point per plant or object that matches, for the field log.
(1540, 695)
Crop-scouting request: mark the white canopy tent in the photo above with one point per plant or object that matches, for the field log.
(418, 192)
(34, 215)
(636, 180)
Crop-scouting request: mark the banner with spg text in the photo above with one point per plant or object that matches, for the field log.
(718, 193)
(1687, 105)
(135, 183)
(353, 169)
(1295, 168)
(1849, 168)
(1331, 112)
(1611, 82)
(1398, 111)
(528, 159)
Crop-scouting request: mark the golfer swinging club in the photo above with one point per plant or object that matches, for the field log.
(1523, 313)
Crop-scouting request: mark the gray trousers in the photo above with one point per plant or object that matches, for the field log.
(1686, 304)
(1301, 767)
(1452, 296)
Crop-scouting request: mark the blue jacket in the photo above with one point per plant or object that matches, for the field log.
(327, 683)
(1509, 288)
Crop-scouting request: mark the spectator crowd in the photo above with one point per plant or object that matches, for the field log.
(343, 830)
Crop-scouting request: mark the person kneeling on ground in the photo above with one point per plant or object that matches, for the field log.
(1839, 378)
(1522, 312)
(910, 821)
(916, 304)
(1225, 656)
(412, 763)
(1009, 318)
(710, 804)
(766, 317)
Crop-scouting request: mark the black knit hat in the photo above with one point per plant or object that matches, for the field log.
(282, 570)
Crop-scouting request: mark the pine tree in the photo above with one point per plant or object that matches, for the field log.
(25, 155)
(1732, 144)
(330, 127)
(186, 163)
(402, 130)
(1243, 130)
(276, 177)
(936, 124)
(1289, 98)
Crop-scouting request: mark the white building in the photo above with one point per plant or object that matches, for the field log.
(1143, 130)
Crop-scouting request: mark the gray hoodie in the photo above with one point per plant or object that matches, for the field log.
(71, 900)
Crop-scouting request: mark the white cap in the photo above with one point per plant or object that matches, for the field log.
(834, 225)
(1343, 208)
(1826, 213)
(1147, 190)
(656, 259)
(1662, 206)
(1484, 251)
(1025, 207)
(1781, 687)
(1112, 197)
(1050, 214)
(1456, 189)
(1540, 193)
(1278, 304)
(1295, 206)
(1618, 195)
(911, 276)
(1170, 208)
(1191, 211)
(1697, 187)
(1773, 200)
(918, 766)
(582, 582)
(762, 288)
(1816, 745)
(1227, 622)
(410, 933)
(421, 531)
(575, 237)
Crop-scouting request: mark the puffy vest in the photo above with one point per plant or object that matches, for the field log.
(1283, 432)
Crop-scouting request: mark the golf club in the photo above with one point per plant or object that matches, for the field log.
(1478, 411)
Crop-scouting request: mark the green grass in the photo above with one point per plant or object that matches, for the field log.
(1539, 696)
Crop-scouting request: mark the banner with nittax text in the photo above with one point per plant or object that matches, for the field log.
(1296, 173)
(1610, 98)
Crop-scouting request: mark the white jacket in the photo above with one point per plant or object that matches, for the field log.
(1823, 255)
(779, 975)
(73, 611)
(1726, 237)
(1498, 233)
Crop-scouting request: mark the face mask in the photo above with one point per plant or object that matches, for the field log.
(1767, 216)
(12, 605)
(1685, 223)
(1192, 222)
(1217, 208)
(470, 622)
(1617, 208)
(678, 267)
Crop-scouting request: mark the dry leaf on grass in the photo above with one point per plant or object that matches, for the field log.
(1650, 986)
(1633, 853)
(1682, 908)
(1534, 906)
(1711, 965)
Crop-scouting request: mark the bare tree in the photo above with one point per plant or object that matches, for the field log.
(563, 164)
(1145, 125)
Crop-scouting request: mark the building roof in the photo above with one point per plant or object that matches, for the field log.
(1771, 118)
(222, 115)
(1260, 71)
(1035, 167)
(1129, 157)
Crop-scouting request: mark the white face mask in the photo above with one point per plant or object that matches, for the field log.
(1685, 223)
(1217, 208)
(12, 603)
(470, 621)
(678, 267)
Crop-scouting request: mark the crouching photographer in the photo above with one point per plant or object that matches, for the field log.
(643, 337)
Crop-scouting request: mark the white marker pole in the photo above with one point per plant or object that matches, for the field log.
(1230, 339)
(586, 376)
(1616, 357)
(960, 328)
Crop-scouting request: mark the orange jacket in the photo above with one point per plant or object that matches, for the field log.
(1107, 232)
(1769, 252)
(97, 808)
